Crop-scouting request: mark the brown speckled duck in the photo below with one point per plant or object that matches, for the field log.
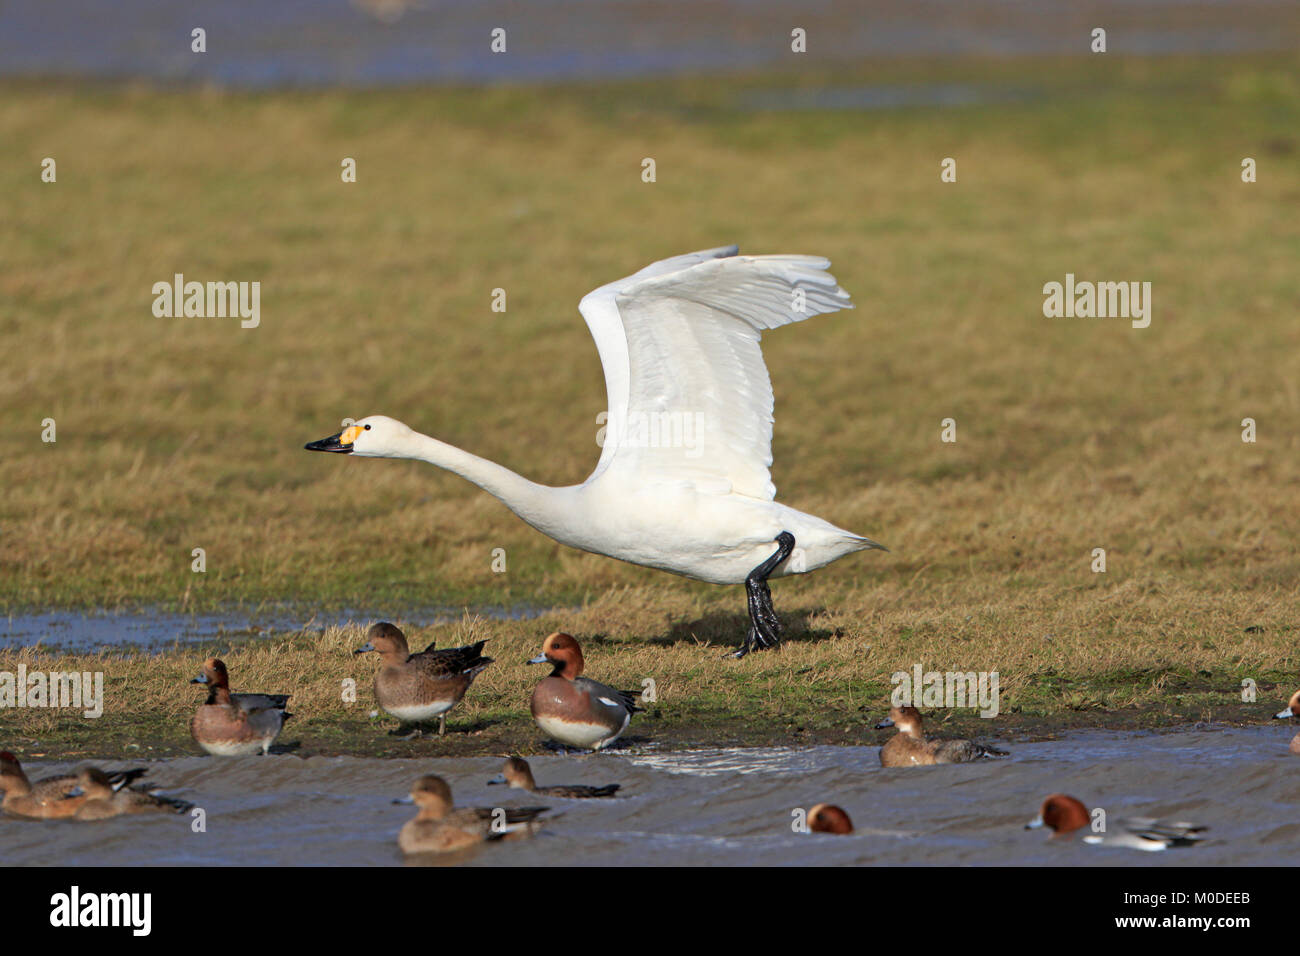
(51, 798)
(104, 800)
(438, 828)
(909, 748)
(519, 776)
(419, 687)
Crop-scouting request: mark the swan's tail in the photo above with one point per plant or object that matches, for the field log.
(866, 544)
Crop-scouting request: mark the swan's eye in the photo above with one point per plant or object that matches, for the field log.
(367, 428)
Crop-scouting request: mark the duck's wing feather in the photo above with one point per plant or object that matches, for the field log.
(121, 778)
(690, 400)
(963, 751)
(624, 699)
(252, 702)
(1173, 833)
(579, 791)
(51, 789)
(513, 814)
(152, 799)
(452, 660)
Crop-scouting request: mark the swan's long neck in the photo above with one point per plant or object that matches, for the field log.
(535, 503)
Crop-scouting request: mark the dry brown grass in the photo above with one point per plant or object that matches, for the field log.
(1136, 664)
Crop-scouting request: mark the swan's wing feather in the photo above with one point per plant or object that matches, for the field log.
(599, 309)
(699, 399)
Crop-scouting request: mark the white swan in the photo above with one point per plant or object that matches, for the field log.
(682, 483)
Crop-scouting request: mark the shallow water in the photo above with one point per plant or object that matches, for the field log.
(252, 43)
(156, 631)
(717, 806)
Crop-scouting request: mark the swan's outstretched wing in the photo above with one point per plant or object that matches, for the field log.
(690, 400)
(600, 310)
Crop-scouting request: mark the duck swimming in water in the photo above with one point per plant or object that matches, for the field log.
(909, 748)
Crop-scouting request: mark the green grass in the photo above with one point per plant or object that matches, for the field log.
(1072, 434)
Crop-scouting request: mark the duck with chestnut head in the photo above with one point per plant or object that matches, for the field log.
(233, 725)
(575, 710)
(1068, 818)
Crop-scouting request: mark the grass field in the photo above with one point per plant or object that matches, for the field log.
(1073, 434)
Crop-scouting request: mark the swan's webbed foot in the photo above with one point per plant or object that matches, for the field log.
(764, 626)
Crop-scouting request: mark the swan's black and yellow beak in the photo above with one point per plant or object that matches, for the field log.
(340, 443)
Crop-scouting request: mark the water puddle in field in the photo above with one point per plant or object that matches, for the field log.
(156, 631)
(368, 43)
(715, 807)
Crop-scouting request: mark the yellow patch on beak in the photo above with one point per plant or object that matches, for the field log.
(350, 434)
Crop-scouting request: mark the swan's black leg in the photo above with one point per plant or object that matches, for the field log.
(764, 628)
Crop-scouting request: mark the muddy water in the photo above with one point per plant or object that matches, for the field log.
(718, 806)
(385, 42)
(154, 630)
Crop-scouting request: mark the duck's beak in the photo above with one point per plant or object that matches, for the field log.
(404, 800)
(1035, 823)
(333, 443)
(1282, 716)
(201, 679)
(887, 722)
(365, 648)
(499, 778)
(539, 659)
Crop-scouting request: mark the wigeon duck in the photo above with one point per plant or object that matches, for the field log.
(1064, 815)
(418, 687)
(519, 775)
(232, 725)
(104, 800)
(909, 748)
(52, 797)
(573, 709)
(1292, 710)
(828, 818)
(438, 828)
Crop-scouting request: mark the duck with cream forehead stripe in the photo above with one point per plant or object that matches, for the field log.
(576, 710)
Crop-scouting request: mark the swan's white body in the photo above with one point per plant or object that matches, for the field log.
(679, 343)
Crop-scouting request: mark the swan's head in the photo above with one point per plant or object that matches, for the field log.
(377, 436)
